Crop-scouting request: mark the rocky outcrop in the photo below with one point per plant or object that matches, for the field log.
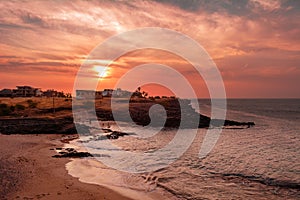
(116, 135)
(40, 126)
(176, 109)
(139, 113)
(72, 153)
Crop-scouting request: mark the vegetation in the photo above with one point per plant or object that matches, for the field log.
(19, 107)
(35, 107)
(43, 106)
(4, 109)
(31, 103)
(12, 108)
(140, 94)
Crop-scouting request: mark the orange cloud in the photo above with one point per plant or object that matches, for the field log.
(251, 41)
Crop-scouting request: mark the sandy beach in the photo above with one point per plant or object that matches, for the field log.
(241, 166)
(28, 171)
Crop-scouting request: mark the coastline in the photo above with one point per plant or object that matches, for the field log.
(30, 172)
(255, 162)
(222, 175)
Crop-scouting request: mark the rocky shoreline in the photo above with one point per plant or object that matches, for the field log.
(139, 112)
(37, 126)
(176, 109)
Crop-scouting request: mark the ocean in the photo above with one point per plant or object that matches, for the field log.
(261, 162)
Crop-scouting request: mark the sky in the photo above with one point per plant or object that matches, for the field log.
(254, 43)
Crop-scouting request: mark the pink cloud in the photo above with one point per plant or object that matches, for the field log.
(257, 41)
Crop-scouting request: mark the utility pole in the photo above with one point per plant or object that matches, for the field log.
(53, 102)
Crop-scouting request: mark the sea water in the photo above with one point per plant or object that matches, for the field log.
(261, 162)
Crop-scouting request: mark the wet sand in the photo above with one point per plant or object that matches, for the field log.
(28, 171)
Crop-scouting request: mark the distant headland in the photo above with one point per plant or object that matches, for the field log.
(30, 112)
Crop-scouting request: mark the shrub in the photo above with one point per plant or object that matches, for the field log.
(4, 109)
(3, 105)
(20, 107)
(31, 104)
(12, 108)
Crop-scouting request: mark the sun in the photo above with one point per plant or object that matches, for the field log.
(102, 71)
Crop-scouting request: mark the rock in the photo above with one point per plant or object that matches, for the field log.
(116, 135)
(64, 125)
(73, 154)
(139, 112)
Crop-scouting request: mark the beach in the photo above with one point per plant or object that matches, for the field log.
(259, 162)
(28, 171)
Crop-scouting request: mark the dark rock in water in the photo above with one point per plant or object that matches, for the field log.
(112, 135)
(107, 130)
(266, 181)
(116, 135)
(73, 154)
(220, 123)
(69, 149)
(235, 123)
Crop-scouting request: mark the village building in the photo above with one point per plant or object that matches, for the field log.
(88, 94)
(121, 93)
(107, 92)
(26, 91)
(50, 93)
(6, 93)
(53, 93)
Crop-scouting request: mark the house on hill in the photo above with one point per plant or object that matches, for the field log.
(6, 92)
(107, 92)
(53, 93)
(88, 94)
(121, 93)
(26, 91)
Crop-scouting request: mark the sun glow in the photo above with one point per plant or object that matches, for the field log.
(102, 71)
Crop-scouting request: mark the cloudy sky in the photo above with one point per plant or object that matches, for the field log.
(254, 43)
